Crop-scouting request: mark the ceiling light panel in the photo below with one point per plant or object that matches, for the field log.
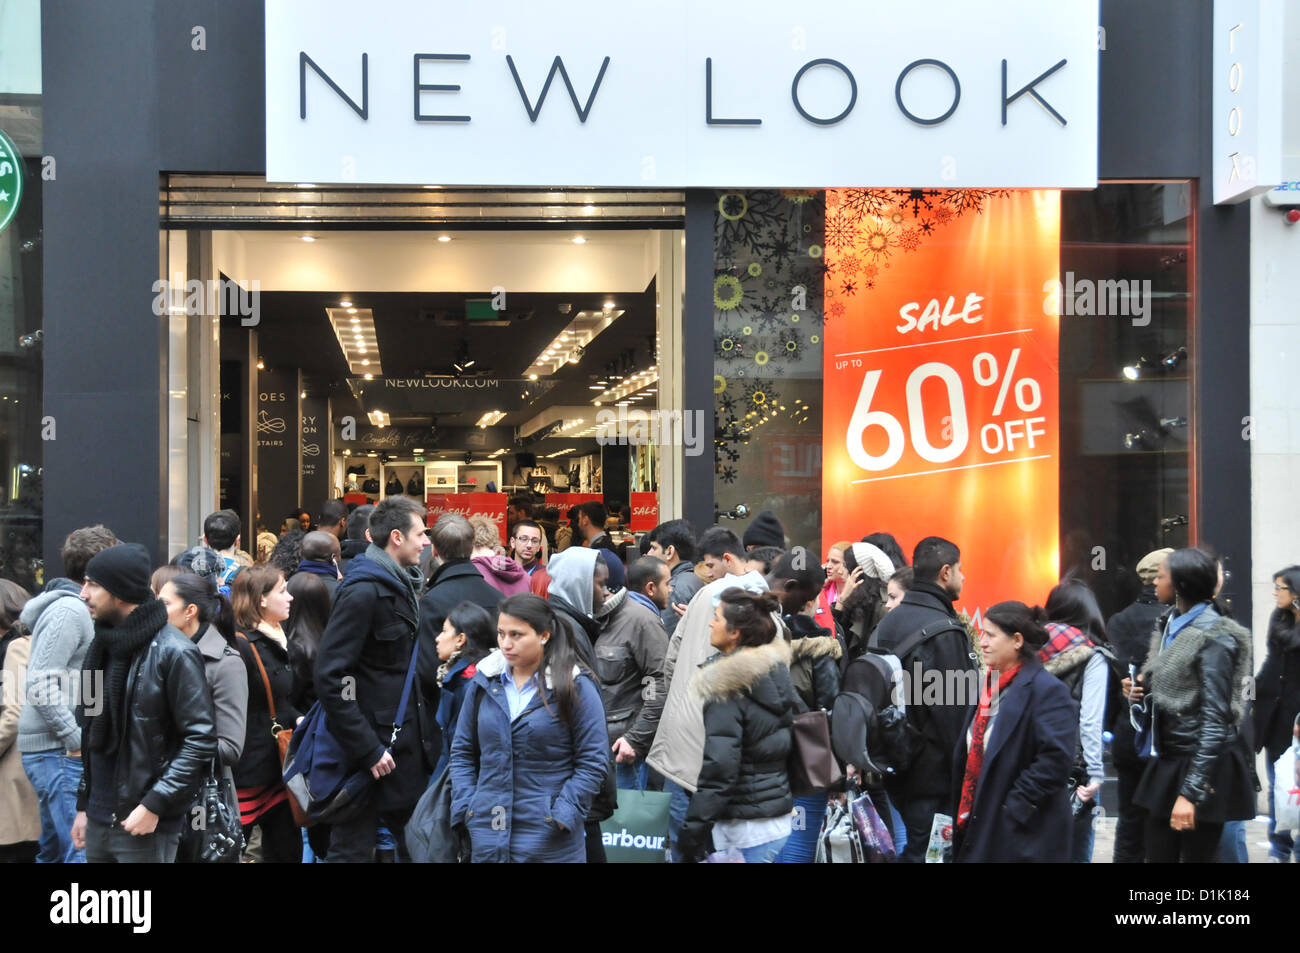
(568, 344)
(640, 381)
(355, 330)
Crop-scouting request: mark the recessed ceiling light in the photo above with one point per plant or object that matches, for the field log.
(345, 303)
(532, 377)
(307, 238)
(366, 362)
(351, 310)
(303, 394)
(609, 306)
(260, 365)
(306, 185)
(361, 349)
(444, 238)
(579, 240)
(370, 377)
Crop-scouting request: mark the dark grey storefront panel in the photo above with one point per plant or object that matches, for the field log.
(116, 119)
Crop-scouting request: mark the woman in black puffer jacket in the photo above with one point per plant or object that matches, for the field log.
(743, 798)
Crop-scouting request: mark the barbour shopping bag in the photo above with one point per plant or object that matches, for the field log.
(637, 832)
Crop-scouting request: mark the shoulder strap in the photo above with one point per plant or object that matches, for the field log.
(406, 691)
(916, 639)
(266, 683)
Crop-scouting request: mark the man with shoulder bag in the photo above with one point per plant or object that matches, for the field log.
(362, 676)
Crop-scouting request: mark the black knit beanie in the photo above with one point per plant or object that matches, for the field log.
(766, 530)
(124, 571)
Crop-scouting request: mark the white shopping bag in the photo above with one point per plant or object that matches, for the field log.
(1286, 791)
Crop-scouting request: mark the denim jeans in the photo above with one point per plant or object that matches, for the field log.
(111, 844)
(801, 845)
(1232, 844)
(1281, 844)
(764, 853)
(677, 807)
(632, 776)
(55, 777)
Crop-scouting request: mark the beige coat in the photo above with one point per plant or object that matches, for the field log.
(20, 813)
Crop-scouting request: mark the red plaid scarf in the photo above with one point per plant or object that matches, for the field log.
(1063, 637)
(975, 757)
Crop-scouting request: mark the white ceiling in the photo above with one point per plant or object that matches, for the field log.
(473, 261)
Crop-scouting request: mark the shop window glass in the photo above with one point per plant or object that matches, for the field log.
(1101, 365)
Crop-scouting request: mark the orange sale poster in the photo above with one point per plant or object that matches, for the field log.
(940, 408)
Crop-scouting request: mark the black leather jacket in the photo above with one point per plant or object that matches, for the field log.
(1208, 729)
(169, 735)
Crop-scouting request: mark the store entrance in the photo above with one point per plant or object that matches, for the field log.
(466, 369)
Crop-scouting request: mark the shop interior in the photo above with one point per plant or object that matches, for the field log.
(439, 365)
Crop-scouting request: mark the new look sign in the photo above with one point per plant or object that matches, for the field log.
(683, 94)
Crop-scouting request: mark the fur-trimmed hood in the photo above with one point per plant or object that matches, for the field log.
(745, 671)
(816, 646)
(1172, 672)
(494, 664)
(1065, 662)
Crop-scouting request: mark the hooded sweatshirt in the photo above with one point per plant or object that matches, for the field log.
(571, 593)
(61, 633)
(503, 574)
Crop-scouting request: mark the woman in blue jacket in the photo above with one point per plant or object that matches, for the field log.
(530, 750)
(1012, 765)
(468, 636)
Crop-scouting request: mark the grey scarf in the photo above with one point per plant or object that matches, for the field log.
(1173, 673)
(410, 577)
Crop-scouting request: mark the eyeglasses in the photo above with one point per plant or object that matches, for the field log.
(1277, 588)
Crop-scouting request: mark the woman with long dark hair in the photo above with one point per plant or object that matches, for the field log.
(1277, 697)
(1012, 763)
(262, 601)
(308, 614)
(531, 749)
(206, 618)
(1077, 654)
(742, 800)
(468, 635)
(1196, 674)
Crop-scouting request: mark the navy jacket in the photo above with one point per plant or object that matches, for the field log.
(1022, 806)
(454, 687)
(524, 789)
(360, 670)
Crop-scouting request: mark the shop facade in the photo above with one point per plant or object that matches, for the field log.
(1137, 362)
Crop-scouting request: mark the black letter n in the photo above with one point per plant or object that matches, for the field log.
(304, 61)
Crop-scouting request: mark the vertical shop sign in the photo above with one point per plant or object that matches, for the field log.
(941, 368)
(314, 422)
(278, 439)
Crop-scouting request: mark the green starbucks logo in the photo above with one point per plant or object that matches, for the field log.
(11, 181)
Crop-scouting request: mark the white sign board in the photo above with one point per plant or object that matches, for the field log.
(681, 94)
(1247, 98)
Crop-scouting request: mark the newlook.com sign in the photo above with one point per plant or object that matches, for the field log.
(681, 94)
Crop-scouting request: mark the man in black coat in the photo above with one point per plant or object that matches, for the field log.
(456, 580)
(149, 734)
(1129, 631)
(946, 659)
(361, 667)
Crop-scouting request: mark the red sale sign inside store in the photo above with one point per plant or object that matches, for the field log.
(491, 505)
(564, 501)
(940, 403)
(645, 512)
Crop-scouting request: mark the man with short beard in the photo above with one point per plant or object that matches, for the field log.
(526, 540)
(149, 735)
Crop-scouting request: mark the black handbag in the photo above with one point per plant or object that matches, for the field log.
(370, 486)
(212, 832)
(415, 485)
(393, 487)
